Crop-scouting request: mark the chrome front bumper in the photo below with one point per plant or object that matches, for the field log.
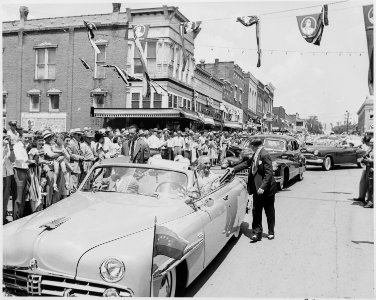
(316, 162)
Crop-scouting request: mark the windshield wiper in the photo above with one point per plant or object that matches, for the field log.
(156, 195)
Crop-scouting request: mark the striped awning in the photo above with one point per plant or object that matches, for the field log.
(188, 114)
(136, 113)
(234, 125)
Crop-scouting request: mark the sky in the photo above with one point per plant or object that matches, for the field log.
(323, 84)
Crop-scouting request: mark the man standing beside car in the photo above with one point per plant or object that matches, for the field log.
(262, 185)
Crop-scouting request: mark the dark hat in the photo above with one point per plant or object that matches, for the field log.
(12, 123)
(256, 142)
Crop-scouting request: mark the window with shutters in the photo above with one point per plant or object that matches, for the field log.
(170, 101)
(45, 63)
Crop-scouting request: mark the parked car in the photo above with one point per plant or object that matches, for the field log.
(327, 155)
(288, 162)
(100, 241)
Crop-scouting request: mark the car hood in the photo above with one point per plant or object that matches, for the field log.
(91, 219)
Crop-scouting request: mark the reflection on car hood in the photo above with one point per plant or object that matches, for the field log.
(311, 149)
(92, 219)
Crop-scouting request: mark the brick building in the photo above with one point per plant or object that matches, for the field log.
(366, 115)
(232, 76)
(249, 101)
(46, 85)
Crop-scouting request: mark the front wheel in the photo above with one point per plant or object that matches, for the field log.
(280, 185)
(327, 165)
(167, 286)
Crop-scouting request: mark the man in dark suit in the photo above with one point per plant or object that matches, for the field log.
(262, 185)
(139, 149)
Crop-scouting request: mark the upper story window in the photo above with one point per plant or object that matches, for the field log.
(45, 61)
(54, 103)
(146, 102)
(135, 100)
(163, 56)
(100, 59)
(158, 100)
(99, 97)
(150, 51)
(34, 96)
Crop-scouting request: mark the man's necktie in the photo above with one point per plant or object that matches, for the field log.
(254, 165)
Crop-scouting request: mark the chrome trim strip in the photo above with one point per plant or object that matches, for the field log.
(74, 286)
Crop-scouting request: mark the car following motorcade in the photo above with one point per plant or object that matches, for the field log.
(131, 230)
(287, 160)
(328, 151)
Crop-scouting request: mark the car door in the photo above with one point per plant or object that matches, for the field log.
(217, 205)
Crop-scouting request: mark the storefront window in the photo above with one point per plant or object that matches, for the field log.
(135, 100)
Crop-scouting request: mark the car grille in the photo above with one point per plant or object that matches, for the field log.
(309, 156)
(22, 283)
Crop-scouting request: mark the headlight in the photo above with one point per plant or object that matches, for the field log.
(316, 152)
(275, 166)
(112, 269)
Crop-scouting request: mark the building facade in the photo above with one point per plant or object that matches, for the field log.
(249, 102)
(233, 77)
(365, 115)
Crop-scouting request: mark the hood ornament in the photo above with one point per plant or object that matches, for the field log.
(33, 264)
(54, 223)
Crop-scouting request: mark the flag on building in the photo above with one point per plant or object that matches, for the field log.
(121, 73)
(140, 32)
(168, 243)
(368, 23)
(184, 28)
(87, 67)
(249, 21)
(90, 27)
(312, 26)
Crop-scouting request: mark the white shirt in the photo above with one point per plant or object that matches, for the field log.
(21, 156)
(178, 141)
(170, 143)
(14, 136)
(206, 184)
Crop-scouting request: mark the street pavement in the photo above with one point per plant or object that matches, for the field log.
(324, 246)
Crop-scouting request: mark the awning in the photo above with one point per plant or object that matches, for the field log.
(234, 125)
(136, 113)
(217, 123)
(208, 120)
(189, 114)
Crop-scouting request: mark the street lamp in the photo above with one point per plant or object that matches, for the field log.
(347, 115)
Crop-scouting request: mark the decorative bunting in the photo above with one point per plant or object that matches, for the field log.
(368, 23)
(90, 26)
(87, 67)
(249, 21)
(141, 32)
(123, 74)
(184, 28)
(312, 26)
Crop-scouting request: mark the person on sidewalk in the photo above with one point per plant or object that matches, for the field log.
(369, 169)
(8, 174)
(262, 185)
(364, 180)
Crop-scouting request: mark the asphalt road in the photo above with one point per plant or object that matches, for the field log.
(324, 246)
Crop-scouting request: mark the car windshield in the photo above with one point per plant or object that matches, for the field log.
(274, 144)
(139, 180)
(327, 141)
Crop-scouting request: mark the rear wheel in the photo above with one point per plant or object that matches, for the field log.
(327, 164)
(301, 176)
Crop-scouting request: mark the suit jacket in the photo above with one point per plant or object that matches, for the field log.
(263, 178)
(74, 151)
(141, 152)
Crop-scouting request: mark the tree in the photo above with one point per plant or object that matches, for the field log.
(343, 128)
(313, 125)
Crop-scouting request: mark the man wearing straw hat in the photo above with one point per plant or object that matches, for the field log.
(76, 158)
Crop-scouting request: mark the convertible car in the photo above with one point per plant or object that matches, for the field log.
(129, 230)
(288, 162)
(328, 152)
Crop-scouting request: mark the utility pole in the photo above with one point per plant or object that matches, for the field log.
(347, 116)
